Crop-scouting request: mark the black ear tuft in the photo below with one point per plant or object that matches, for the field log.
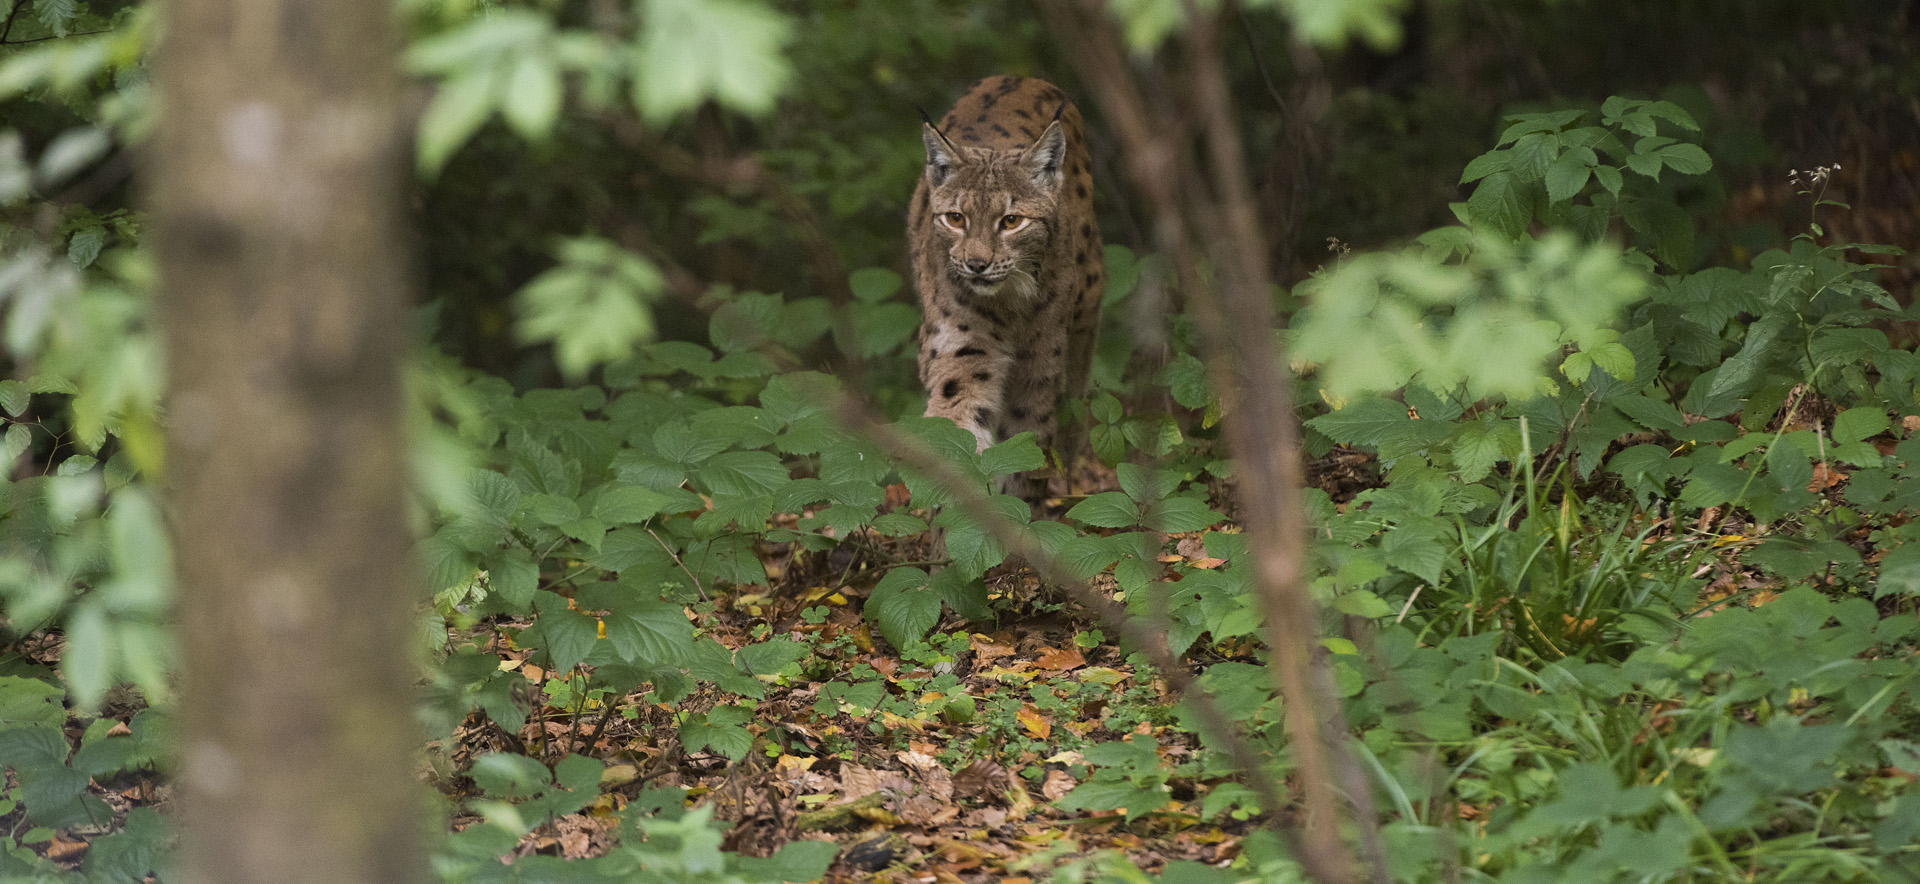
(941, 155)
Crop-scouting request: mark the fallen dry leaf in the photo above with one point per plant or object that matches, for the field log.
(1058, 783)
(1061, 659)
(1035, 723)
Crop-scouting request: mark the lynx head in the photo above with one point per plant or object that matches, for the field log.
(994, 207)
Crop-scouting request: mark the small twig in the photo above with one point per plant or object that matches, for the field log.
(683, 565)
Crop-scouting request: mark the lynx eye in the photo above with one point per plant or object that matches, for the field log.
(1012, 222)
(957, 220)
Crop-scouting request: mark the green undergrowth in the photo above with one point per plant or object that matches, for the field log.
(1632, 597)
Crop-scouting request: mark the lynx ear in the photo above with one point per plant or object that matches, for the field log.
(941, 155)
(1044, 159)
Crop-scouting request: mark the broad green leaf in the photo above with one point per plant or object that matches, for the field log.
(13, 397)
(1108, 509)
(532, 95)
(513, 576)
(1015, 455)
(1566, 177)
(565, 634)
(649, 632)
(904, 606)
(1178, 515)
(693, 50)
(873, 284)
(743, 473)
(1500, 203)
(1899, 571)
(1856, 424)
(458, 108)
(628, 504)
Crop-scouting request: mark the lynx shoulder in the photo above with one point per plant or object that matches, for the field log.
(1007, 261)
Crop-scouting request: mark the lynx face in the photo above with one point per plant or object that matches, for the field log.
(992, 209)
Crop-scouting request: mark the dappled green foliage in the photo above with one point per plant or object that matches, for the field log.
(1625, 592)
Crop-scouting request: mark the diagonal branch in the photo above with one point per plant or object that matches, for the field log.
(1203, 218)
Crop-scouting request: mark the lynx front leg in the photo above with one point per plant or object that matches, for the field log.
(964, 369)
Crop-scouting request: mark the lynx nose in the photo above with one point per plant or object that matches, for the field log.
(976, 266)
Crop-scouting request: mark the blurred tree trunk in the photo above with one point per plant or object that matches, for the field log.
(275, 180)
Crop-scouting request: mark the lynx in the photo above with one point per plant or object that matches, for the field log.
(1007, 260)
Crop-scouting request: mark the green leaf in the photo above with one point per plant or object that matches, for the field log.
(1687, 159)
(1899, 571)
(798, 861)
(648, 632)
(1015, 455)
(1185, 377)
(1609, 178)
(904, 606)
(85, 245)
(628, 504)
(459, 107)
(1361, 603)
(1108, 509)
(693, 50)
(592, 308)
(1566, 177)
(743, 473)
(1177, 515)
(1366, 422)
(532, 99)
(1500, 203)
(30, 702)
(1856, 424)
(513, 576)
(1650, 413)
(873, 284)
(13, 397)
(565, 634)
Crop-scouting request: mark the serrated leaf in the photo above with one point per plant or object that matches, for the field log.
(566, 635)
(1176, 515)
(1650, 413)
(1566, 177)
(1366, 422)
(1108, 509)
(513, 576)
(1609, 178)
(628, 504)
(904, 606)
(14, 396)
(1500, 203)
(649, 632)
(1687, 159)
(592, 308)
(1486, 164)
(1856, 424)
(1016, 455)
(85, 246)
(1899, 571)
(1185, 376)
(743, 473)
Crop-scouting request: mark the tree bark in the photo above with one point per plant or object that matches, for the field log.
(275, 180)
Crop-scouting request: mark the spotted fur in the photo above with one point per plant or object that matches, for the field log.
(1007, 260)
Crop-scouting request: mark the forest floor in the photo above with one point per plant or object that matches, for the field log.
(943, 766)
